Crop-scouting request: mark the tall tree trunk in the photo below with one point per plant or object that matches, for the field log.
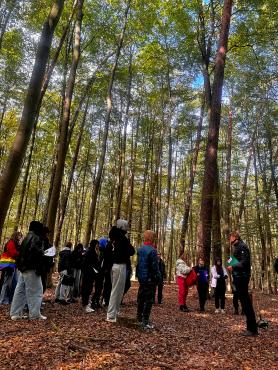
(64, 200)
(227, 211)
(259, 223)
(105, 132)
(210, 172)
(244, 185)
(216, 228)
(130, 193)
(143, 196)
(122, 169)
(62, 146)
(11, 172)
(193, 168)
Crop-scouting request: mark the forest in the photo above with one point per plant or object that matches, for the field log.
(163, 113)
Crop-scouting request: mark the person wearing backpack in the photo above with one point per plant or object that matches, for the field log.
(8, 268)
(29, 287)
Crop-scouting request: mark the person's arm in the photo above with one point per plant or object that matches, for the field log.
(154, 266)
(185, 270)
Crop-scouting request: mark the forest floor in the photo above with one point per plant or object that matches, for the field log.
(72, 339)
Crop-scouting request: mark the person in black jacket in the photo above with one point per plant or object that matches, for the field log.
(161, 266)
(29, 288)
(121, 251)
(48, 262)
(91, 270)
(202, 282)
(241, 272)
(63, 288)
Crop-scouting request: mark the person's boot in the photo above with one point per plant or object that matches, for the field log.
(181, 308)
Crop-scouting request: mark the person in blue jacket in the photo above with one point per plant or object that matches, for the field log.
(148, 276)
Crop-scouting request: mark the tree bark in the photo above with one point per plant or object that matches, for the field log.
(210, 172)
(11, 172)
(62, 146)
(64, 200)
(122, 169)
(105, 133)
(227, 211)
(193, 168)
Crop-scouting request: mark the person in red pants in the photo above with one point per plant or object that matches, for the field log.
(182, 271)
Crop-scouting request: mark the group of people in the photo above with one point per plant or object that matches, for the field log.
(240, 269)
(103, 272)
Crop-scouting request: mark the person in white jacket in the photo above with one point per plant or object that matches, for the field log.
(182, 270)
(218, 282)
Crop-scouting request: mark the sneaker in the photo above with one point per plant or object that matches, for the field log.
(41, 317)
(148, 326)
(217, 310)
(248, 333)
(19, 317)
(111, 319)
(89, 309)
(222, 311)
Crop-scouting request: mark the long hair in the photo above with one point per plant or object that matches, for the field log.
(219, 268)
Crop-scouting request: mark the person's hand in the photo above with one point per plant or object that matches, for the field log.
(198, 274)
(230, 268)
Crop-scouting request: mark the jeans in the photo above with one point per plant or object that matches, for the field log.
(9, 281)
(118, 276)
(28, 290)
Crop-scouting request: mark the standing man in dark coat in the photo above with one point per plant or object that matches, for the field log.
(161, 266)
(241, 275)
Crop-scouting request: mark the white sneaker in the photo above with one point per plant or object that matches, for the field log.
(19, 317)
(217, 310)
(89, 309)
(42, 317)
(222, 311)
(111, 320)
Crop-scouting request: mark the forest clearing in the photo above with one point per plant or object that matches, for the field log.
(138, 134)
(71, 339)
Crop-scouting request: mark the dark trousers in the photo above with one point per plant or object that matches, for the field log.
(107, 287)
(219, 295)
(98, 288)
(241, 285)
(235, 302)
(202, 289)
(87, 287)
(159, 289)
(145, 300)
